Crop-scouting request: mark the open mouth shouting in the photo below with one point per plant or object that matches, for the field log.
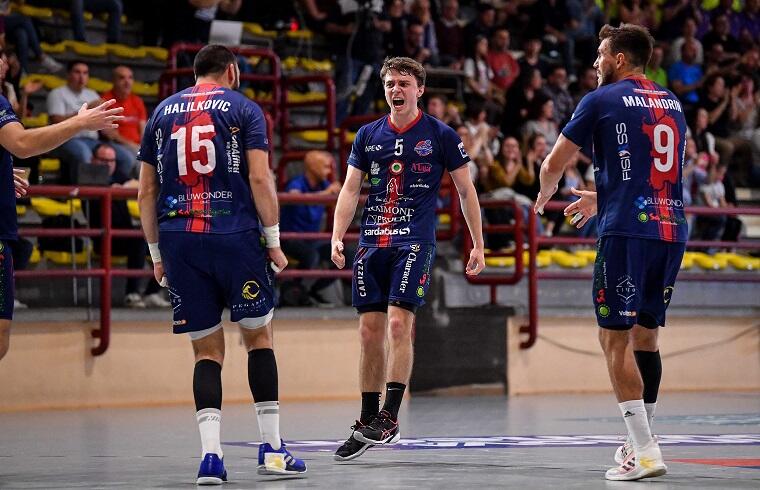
(398, 102)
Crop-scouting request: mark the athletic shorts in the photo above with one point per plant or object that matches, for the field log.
(6, 280)
(634, 280)
(207, 272)
(395, 275)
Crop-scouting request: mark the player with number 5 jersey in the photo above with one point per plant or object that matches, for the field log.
(205, 184)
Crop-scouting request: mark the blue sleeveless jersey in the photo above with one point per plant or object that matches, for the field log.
(8, 225)
(404, 167)
(197, 139)
(638, 134)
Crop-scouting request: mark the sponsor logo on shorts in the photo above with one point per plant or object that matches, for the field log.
(627, 313)
(410, 260)
(643, 217)
(666, 294)
(361, 287)
(603, 310)
(251, 290)
(600, 272)
(421, 168)
(423, 148)
(179, 323)
(601, 296)
(420, 291)
(415, 247)
(625, 289)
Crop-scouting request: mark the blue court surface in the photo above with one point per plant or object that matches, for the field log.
(710, 440)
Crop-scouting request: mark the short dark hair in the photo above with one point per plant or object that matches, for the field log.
(71, 64)
(632, 40)
(213, 59)
(405, 66)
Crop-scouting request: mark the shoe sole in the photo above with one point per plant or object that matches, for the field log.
(263, 470)
(355, 455)
(209, 480)
(391, 440)
(653, 473)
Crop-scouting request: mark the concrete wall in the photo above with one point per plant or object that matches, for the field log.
(577, 364)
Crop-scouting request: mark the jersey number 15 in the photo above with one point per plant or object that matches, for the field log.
(200, 138)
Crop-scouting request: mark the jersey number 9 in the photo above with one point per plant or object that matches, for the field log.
(200, 138)
(665, 148)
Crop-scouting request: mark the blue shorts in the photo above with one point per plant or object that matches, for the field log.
(6, 280)
(395, 275)
(634, 280)
(207, 272)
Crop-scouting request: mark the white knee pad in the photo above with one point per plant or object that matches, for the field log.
(204, 333)
(253, 323)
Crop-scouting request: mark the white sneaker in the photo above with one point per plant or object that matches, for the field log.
(50, 65)
(133, 300)
(647, 464)
(156, 300)
(623, 451)
(18, 305)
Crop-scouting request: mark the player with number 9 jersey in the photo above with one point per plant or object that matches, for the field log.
(197, 140)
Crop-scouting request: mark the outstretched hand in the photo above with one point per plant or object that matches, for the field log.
(102, 116)
(583, 209)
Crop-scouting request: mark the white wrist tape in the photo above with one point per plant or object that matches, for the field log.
(155, 253)
(272, 235)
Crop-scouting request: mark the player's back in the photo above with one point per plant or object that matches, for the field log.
(198, 139)
(638, 132)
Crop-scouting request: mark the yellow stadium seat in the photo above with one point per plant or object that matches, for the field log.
(99, 85)
(124, 51)
(20, 210)
(86, 49)
(37, 121)
(302, 34)
(145, 89)
(444, 219)
(500, 261)
(65, 258)
(134, 208)
(313, 135)
(707, 262)
(350, 136)
(257, 30)
(587, 254)
(56, 48)
(306, 97)
(543, 259)
(49, 165)
(316, 65)
(38, 12)
(118, 260)
(49, 81)
(35, 257)
(49, 207)
(248, 92)
(739, 262)
(161, 54)
(289, 63)
(687, 262)
(567, 260)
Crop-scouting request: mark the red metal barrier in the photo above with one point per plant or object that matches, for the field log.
(328, 103)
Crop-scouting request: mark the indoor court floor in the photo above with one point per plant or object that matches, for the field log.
(710, 440)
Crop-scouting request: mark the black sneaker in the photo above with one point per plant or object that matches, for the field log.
(352, 449)
(382, 430)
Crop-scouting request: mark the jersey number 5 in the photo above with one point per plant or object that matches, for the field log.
(665, 148)
(200, 138)
(399, 148)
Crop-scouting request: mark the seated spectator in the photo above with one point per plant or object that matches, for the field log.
(675, 14)
(509, 168)
(747, 122)
(519, 100)
(535, 152)
(481, 26)
(9, 91)
(449, 31)
(654, 70)
(420, 13)
(315, 17)
(721, 33)
(318, 165)
(532, 57)
(394, 38)
(556, 89)
(134, 248)
(557, 29)
(712, 194)
(541, 120)
(477, 148)
(688, 33)
(130, 131)
(19, 29)
(749, 20)
(414, 45)
(476, 122)
(572, 179)
(686, 76)
(76, 8)
(703, 138)
(438, 107)
(585, 84)
(479, 81)
(501, 62)
(639, 12)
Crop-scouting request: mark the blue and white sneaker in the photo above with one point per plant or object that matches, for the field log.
(279, 462)
(212, 470)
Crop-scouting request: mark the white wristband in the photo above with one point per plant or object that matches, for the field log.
(272, 235)
(155, 253)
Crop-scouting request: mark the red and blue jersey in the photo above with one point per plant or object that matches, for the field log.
(8, 224)
(637, 131)
(198, 139)
(404, 167)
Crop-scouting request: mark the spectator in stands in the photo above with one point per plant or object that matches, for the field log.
(587, 19)
(508, 169)
(315, 16)
(686, 76)
(639, 12)
(519, 101)
(135, 249)
(76, 10)
(19, 29)
(532, 57)
(585, 84)
(703, 138)
(721, 33)
(690, 164)
(439, 107)
(449, 31)
(395, 38)
(355, 33)
(477, 148)
(572, 179)
(479, 80)
(558, 29)
(654, 70)
(503, 65)
(420, 13)
(747, 124)
(556, 88)
(688, 34)
(749, 20)
(726, 7)
(722, 115)
(414, 45)
(130, 132)
(308, 254)
(541, 120)
(535, 152)
(9, 91)
(674, 16)
(712, 194)
(480, 27)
